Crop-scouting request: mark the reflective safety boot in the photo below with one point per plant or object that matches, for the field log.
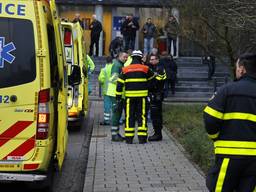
(117, 138)
(155, 137)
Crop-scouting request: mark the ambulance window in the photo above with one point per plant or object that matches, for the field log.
(17, 52)
(53, 56)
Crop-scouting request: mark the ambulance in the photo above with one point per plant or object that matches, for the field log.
(75, 52)
(33, 92)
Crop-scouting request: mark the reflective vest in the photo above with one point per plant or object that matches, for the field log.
(230, 118)
(115, 71)
(104, 76)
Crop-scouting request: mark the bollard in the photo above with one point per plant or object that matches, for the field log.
(214, 85)
(99, 90)
(226, 79)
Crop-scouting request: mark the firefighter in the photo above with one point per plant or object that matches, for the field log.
(134, 79)
(111, 91)
(103, 78)
(230, 121)
(156, 97)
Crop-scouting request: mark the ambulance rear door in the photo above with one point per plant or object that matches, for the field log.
(19, 84)
(62, 133)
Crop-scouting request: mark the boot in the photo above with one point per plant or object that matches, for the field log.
(142, 140)
(128, 140)
(156, 137)
(117, 138)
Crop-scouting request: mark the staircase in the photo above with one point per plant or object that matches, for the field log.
(192, 86)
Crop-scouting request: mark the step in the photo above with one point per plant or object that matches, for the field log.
(186, 100)
(193, 89)
(198, 83)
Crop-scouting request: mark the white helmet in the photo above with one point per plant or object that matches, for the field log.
(137, 53)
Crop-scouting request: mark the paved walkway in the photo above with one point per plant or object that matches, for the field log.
(150, 167)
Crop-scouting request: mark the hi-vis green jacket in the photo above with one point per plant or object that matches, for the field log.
(104, 76)
(230, 118)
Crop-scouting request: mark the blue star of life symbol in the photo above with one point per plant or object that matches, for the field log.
(5, 50)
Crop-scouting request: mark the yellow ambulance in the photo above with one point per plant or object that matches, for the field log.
(75, 52)
(33, 92)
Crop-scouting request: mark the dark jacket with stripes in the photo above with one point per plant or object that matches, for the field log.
(157, 84)
(230, 118)
(135, 81)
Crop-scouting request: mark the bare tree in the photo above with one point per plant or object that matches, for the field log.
(219, 27)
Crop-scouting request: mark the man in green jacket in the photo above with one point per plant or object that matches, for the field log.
(117, 108)
(104, 76)
(91, 67)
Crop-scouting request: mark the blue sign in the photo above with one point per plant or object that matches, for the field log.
(117, 22)
(5, 50)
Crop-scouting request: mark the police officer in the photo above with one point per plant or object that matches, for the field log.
(134, 79)
(230, 121)
(111, 92)
(156, 97)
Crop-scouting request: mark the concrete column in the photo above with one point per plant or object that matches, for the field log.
(137, 14)
(99, 14)
(114, 13)
(175, 12)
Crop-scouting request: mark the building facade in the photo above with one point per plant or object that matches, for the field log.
(111, 12)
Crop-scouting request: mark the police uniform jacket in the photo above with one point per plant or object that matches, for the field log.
(230, 118)
(157, 84)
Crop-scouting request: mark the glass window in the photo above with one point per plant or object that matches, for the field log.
(17, 52)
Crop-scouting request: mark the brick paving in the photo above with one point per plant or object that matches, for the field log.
(151, 167)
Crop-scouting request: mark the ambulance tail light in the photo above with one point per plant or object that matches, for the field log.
(43, 116)
(67, 37)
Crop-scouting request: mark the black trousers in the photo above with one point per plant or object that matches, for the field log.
(156, 115)
(94, 41)
(232, 174)
(135, 110)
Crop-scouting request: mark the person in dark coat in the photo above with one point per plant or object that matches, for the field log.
(171, 71)
(128, 30)
(116, 46)
(77, 19)
(96, 29)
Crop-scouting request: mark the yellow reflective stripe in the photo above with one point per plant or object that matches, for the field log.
(222, 174)
(129, 129)
(136, 80)
(213, 136)
(118, 93)
(127, 112)
(235, 151)
(120, 80)
(140, 93)
(142, 133)
(129, 134)
(213, 112)
(142, 128)
(161, 77)
(143, 112)
(242, 116)
(235, 144)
